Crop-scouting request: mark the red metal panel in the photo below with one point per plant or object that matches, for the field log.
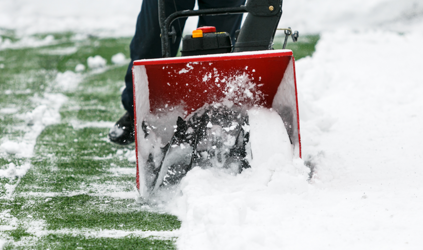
(195, 81)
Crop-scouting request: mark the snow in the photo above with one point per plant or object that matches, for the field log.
(79, 67)
(83, 124)
(111, 17)
(329, 15)
(26, 41)
(263, 145)
(122, 171)
(59, 51)
(46, 113)
(118, 17)
(67, 81)
(360, 117)
(95, 62)
(7, 111)
(111, 233)
(10, 147)
(119, 59)
(360, 113)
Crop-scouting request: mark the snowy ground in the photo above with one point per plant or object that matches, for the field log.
(360, 112)
(360, 116)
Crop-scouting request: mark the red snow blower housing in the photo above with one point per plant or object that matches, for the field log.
(193, 110)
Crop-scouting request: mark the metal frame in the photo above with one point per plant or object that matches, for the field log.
(166, 22)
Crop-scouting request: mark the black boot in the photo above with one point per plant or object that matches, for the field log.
(123, 132)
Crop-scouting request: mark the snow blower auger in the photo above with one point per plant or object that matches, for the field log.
(195, 110)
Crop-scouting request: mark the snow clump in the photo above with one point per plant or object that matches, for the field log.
(80, 68)
(68, 81)
(7, 111)
(119, 59)
(96, 62)
(10, 147)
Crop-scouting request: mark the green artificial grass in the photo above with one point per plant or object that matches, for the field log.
(18, 233)
(59, 241)
(305, 46)
(74, 168)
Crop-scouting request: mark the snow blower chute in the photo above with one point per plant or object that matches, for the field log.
(193, 110)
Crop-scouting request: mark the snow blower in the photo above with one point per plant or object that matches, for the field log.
(194, 110)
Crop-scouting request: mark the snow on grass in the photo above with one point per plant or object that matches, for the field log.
(67, 81)
(71, 163)
(114, 233)
(119, 59)
(223, 211)
(95, 62)
(120, 171)
(83, 124)
(79, 67)
(117, 18)
(47, 16)
(59, 51)
(329, 15)
(360, 105)
(46, 113)
(26, 42)
(7, 111)
(14, 171)
(360, 118)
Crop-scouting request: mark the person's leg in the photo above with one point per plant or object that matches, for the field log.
(145, 44)
(228, 23)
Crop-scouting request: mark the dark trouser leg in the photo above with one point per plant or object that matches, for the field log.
(146, 43)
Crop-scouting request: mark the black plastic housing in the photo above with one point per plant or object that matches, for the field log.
(210, 43)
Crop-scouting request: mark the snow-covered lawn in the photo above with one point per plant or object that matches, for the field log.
(360, 114)
(361, 123)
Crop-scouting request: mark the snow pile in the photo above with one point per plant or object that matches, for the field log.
(370, 82)
(2, 243)
(223, 211)
(7, 111)
(309, 16)
(95, 62)
(360, 110)
(118, 17)
(26, 41)
(82, 124)
(10, 147)
(130, 156)
(119, 59)
(67, 81)
(59, 51)
(13, 171)
(111, 17)
(79, 67)
(46, 113)
(360, 105)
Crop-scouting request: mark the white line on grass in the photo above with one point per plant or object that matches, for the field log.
(113, 233)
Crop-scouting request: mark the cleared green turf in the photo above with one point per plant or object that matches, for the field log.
(54, 241)
(76, 175)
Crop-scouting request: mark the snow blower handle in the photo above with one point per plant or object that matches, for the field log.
(256, 34)
(288, 32)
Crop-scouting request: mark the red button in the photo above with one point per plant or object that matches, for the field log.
(207, 29)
